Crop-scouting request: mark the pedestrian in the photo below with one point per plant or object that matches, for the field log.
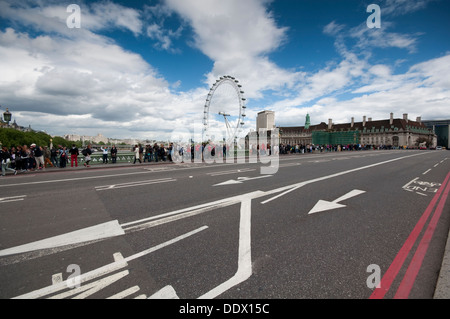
(141, 153)
(26, 157)
(74, 155)
(162, 152)
(19, 160)
(38, 155)
(155, 152)
(63, 157)
(87, 155)
(5, 158)
(54, 156)
(12, 152)
(113, 154)
(105, 154)
(47, 155)
(136, 154)
(147, 155)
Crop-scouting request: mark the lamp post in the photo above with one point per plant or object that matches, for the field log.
(7, 116)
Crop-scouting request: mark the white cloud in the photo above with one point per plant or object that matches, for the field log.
(163, 37)
(333, 28)
(422, 91)
(400, 7)
(71, 78)
(237, 36)
(382, 38)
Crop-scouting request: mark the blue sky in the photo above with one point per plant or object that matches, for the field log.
(142, 69)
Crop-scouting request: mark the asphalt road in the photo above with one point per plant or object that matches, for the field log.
(331, 225)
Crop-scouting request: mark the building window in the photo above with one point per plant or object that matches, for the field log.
(395, 141)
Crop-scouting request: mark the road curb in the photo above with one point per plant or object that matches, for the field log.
(442, 290)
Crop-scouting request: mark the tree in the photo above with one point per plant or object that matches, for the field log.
(11, 137)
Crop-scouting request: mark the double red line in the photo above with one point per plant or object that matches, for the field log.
(413, 269)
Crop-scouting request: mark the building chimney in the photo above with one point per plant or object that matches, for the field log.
(364, 121)
(391, 120)
(405, 117)
(369, 119)
(330, 124)
(419, 119)
(353, 122)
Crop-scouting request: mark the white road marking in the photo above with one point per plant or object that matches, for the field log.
(184, 213)
(241, 180)
(93, 287)
(134, 184)
(165, 293)
(85, 291)
(424, 173)
(421, 186)
(410, 182)
(73, 179)
(282, 194)
(101, 231)
(235, 171)
(167, 243)
(125, 293)
(12, 199)
(95, 233)
(323, 205)
(244, 259)
(287, 189)
(244, 270)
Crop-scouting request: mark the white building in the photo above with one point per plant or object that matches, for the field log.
(265, 120)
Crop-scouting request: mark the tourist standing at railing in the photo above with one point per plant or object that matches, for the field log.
(136, 154)
(28, 158)
(19, 161)
(38, 155)
(47, 155)
(74, 155)
(148, 153)
(63, 157)
(54, 157)
(87, 155)
(141, 153)
(113, 154)
(105, 154)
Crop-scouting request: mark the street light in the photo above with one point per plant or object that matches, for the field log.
(7, 116)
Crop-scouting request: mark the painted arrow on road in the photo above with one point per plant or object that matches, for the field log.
(323, 205)
(240, 180)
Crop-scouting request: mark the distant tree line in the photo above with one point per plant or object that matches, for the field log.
(10, 137)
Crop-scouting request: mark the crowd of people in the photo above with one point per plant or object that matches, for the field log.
(152, 153)
(22, 158)
(300, 148)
